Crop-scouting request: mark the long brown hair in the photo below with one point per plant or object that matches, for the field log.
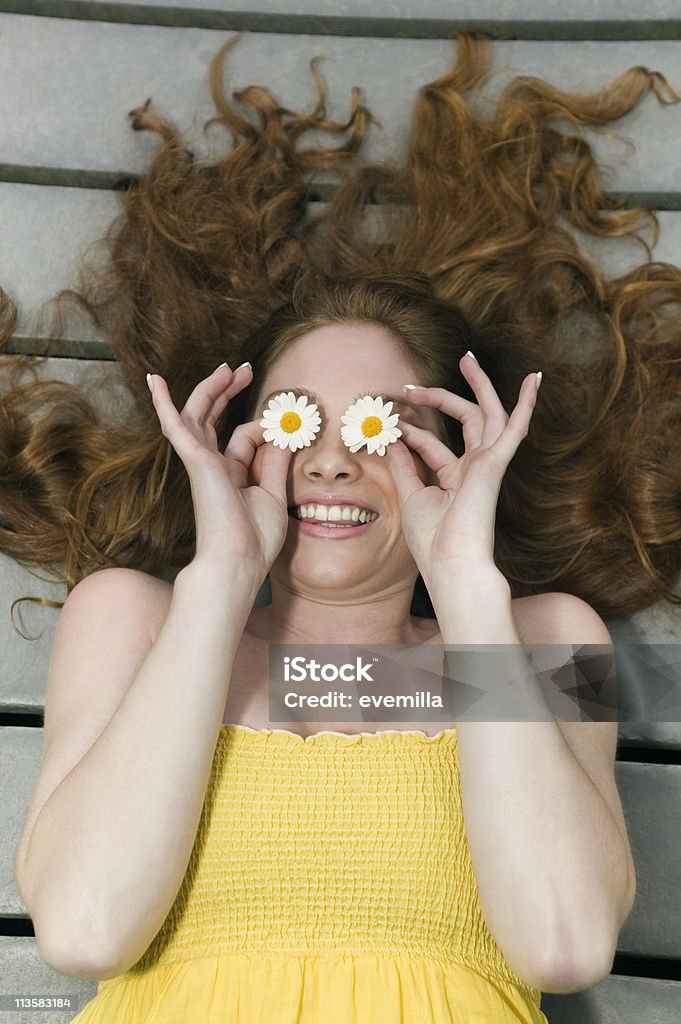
(229, 260)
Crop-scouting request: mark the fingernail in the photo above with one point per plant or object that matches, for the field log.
(150, 382)
(242, 365)
(219, 367)
(469, 353)
(539, 377)
(414, 387)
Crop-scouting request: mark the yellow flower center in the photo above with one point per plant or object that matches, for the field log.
(371, 426)
(290, 422)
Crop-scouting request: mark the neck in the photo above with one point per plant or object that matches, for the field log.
(306, 618)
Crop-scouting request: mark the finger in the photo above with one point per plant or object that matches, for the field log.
(434, 452)
(401, 464)
(210, 396)
(172, 426)
(242, 447)
(469, 414)
(244, 443)
(274, 471)
(241, 378)
(519, 421)
(495, 417)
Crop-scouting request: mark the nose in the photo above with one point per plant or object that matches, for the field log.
(328, 457)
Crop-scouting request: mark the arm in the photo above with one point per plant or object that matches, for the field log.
(553, 868)
(110, 847)
(109, 844)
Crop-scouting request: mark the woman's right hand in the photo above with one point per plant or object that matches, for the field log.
(237, 525)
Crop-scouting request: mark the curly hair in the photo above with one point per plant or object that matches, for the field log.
(230, 260)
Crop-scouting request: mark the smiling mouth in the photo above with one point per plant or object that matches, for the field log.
(330, 524)
(369, 517)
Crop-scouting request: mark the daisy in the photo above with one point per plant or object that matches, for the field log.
(290, 422)
(369, 422)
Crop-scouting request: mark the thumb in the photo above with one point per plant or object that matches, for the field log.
(401, 465)
(274, 470)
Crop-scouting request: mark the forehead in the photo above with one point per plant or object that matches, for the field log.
(336, 364)
(346, 352)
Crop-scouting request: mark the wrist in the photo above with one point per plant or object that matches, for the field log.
(237, 581)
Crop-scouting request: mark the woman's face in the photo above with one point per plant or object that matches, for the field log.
(339, 363)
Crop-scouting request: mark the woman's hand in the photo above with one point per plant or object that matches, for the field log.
(452, 524)
(237, 525)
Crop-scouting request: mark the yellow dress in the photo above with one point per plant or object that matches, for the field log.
(330, 882)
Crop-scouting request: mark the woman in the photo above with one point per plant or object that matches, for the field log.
(212, 867)
(405, 950)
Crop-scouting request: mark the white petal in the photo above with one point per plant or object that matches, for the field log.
(353, 416)
(361, 408)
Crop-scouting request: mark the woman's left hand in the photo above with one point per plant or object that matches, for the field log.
(452, 525)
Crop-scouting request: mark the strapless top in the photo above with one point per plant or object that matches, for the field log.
(330, 880)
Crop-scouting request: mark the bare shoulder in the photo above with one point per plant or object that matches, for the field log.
(554, 617)
(148, 595)
(559, 618)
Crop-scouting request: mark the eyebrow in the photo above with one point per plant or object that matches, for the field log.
(396, 399)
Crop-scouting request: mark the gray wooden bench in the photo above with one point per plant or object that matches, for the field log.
(69, 73)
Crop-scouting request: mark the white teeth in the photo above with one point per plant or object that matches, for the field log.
(335, 513)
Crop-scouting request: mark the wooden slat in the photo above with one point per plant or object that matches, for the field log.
(651, 801)
(513, 10)
(617, 1000)
(45, 229)
(520, 19)
(24, 663)
(651, 797)
(104, 70)
(20, 757)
